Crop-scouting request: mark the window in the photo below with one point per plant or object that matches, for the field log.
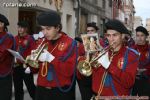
(110, 3)
(103, 4)
(69, 24)
(126, 20)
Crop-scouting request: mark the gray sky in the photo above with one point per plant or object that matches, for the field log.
(142, 8)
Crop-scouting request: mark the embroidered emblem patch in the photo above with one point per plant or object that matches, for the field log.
(120, 63)
(147, 55)
(62, 46)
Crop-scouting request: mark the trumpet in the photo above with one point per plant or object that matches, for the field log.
(32, 59)
(85, 66)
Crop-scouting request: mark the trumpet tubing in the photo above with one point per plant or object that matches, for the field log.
(32, 59)
(85, 67)
(44, 46)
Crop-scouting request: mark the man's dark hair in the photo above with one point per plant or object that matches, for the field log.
(93, 24)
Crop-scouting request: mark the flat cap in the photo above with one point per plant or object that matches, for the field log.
(116, 25)
(4, 20)
(49, 18)
(142, 29)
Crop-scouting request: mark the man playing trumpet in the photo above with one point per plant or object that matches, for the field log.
(57, 62)
(116, 74)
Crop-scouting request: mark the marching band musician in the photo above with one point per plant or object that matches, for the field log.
(92, 28)
(57, 63)
(22, 72)
(142, 82)
(7, 41)
(116, 74)
(84, 82)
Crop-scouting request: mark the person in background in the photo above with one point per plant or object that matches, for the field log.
(22, 72)
(142, 82)
(92, 28)
(84, 82)
(129, 40)
(7, 41)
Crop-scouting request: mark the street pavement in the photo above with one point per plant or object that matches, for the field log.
(27, 97)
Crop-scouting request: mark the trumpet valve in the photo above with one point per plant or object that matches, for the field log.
(95, 64)
(31, 61)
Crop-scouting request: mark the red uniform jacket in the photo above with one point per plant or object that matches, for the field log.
(103, 42)
(6, 59)
(81, 51)
(62, 70)
(144, 62)
(122, 80)
(24, 46)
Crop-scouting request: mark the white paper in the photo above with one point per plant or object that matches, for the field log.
(38, 36)
(35, 36)
(49, 58)
(46, 56)
(41, 35)
(16, 55)
(27, 71)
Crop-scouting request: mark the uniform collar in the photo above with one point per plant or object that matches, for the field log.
(23, 37)
(142, 47)
(2, 34)
(122, 49)
(55, 41)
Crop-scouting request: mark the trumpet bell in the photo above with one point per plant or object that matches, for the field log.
(84, 68)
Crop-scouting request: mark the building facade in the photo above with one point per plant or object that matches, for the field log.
(75, 14)
(31, 8)
(124, 11)
(137, 22)
(129, 14)
(98, 11)
(148, 28)
(148, 24)
(118, 10)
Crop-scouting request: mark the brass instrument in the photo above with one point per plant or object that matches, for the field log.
(32, 59)
(85, 66)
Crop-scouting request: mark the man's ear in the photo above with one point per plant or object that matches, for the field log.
(26, 29)
(123, 36)
(58, 28)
